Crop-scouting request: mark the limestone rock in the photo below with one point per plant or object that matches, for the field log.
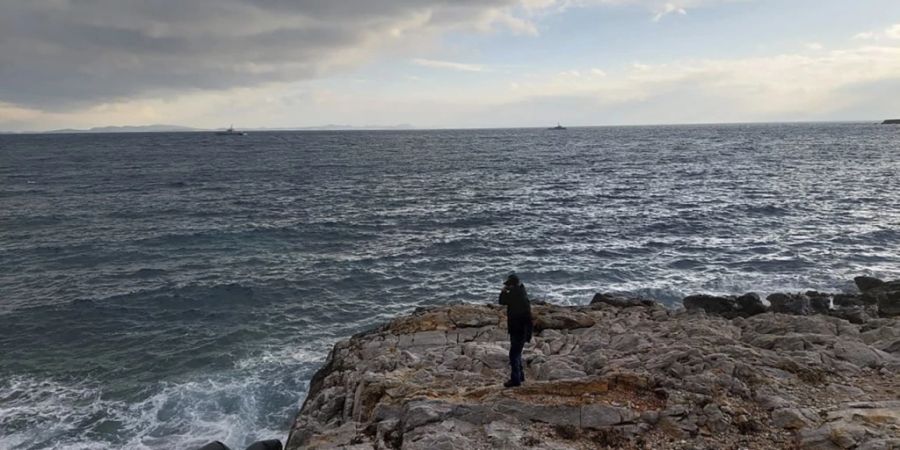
(560, 319)
(789, 419)
(619, 374)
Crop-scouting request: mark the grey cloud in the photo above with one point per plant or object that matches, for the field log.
(58, 54)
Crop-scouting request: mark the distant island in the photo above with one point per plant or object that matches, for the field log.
(891, 122)
(129, 129)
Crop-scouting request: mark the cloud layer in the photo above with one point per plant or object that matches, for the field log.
(60, 54)
(71, 52)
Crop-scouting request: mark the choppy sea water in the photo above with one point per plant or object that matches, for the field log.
(164, 290)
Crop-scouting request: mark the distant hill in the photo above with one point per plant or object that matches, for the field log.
(892, 122)
(129, 129)
(337, 127)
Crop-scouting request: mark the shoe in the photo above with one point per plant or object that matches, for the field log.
(511, 384)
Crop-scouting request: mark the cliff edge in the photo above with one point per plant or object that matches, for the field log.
(727, 372)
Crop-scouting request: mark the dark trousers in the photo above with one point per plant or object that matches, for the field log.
(516, 344)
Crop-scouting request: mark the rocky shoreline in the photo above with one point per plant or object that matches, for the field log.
(807, 370)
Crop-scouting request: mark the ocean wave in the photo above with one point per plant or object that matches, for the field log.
(236, 409)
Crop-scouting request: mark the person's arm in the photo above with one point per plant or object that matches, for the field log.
(503, 295)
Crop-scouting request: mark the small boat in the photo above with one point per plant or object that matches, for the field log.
(557, 127)
(230, 132)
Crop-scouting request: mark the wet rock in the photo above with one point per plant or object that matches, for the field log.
(888, 300)
(864, 283)
(621, 301)
(750, 305)
(820, 302)
(722, 306)
(847, 300)
(796, 304)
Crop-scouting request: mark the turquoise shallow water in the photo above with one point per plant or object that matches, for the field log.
(163, 290)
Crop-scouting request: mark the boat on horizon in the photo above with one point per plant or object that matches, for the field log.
(231, 132)
(557, 127)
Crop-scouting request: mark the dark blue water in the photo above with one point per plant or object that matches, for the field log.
(163, 290)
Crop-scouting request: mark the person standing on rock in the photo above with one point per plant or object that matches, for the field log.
(518, 324)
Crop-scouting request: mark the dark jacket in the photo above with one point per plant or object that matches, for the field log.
(518, 311)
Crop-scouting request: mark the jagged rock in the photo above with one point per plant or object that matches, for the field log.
(797, 304)
(557, 319)
(819, 301)
(616, 376)
(601, 416)
(723, 306)
(865, 283)
(750, 304)
(856, 425)
(848, 300)
(854, 314)
(621, 301)
(860, 354)
(789, 419)
(729, 307)
(888, 298)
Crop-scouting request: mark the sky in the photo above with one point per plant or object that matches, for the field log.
(445, 63)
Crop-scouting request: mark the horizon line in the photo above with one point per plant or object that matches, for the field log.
(406, 127)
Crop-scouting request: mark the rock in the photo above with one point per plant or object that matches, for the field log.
(844, 392)
(601, 416)
(855, 314)
(864, 283)
(796, 304)
(560, 319)
(423, 412)
(847, 300)
(715, 420)
(888, 302)
(621, 301)
(856, 425)
(789, 419)
(471, 317)
(504, 434)
(552, 414)
(722, 306)
(608, 376)
(750, 305)
(820, 302)
(860, 354)
(893, 347)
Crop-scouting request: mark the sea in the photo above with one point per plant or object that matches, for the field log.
(163, 290)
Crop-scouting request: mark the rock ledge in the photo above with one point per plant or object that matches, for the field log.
(620, 373)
